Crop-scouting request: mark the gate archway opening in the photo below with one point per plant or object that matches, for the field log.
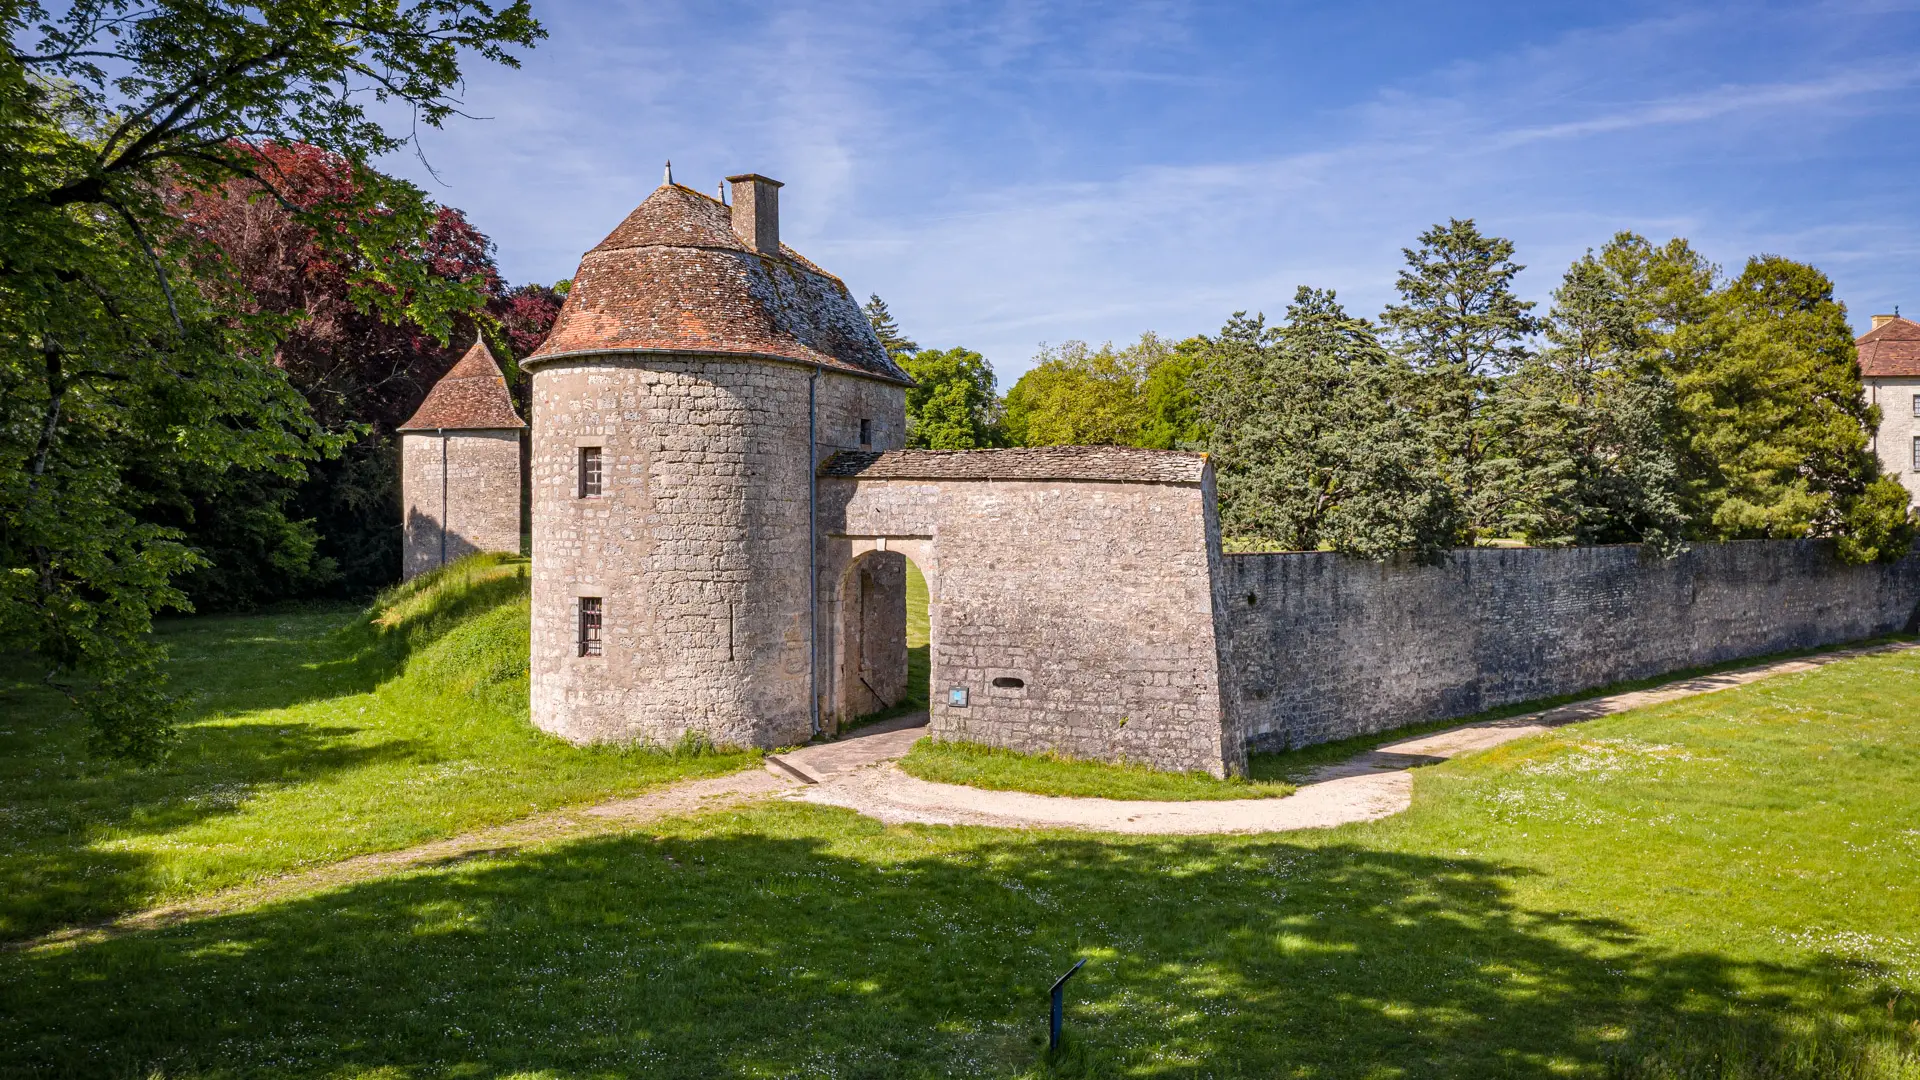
(883, 654)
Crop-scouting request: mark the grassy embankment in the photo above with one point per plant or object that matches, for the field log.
(309, 736)
(1719, 888)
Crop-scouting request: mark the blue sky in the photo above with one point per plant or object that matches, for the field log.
(1012, 174)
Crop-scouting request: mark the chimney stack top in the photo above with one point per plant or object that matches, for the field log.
(756, 212)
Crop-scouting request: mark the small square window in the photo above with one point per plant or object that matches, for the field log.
(589, 626)
(866, 428)
(589, 472)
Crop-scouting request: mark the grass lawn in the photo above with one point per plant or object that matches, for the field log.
(1052, 774)
(309, 736)
(1296, 765)
(1724, 887)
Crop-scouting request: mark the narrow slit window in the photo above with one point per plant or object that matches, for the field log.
(590, 478)
(589, 626)
(866, 431)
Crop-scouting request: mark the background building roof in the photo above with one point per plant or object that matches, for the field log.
(1024, 463)
(1891, 349)
(673, 277)
(473, 395)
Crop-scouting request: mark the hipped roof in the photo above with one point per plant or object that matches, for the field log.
(472, 396)
(673, 277)
(1891, 349)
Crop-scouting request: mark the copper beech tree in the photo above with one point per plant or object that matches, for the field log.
(117, 361)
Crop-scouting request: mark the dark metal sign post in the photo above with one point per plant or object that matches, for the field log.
(1059, 992)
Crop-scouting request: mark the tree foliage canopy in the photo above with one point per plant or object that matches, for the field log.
(1078, 395)
(115, 362)
(1314, 444)
(953, 405)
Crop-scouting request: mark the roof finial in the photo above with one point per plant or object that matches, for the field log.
(669, 178)
(720, 192)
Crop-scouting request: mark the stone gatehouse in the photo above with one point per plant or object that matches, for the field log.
(723, 512)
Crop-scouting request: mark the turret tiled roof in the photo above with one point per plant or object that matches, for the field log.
(1891, 349)
(471, 396)
(673, 277)
(1022, 463)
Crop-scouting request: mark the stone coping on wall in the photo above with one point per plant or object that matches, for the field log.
(1119, 463)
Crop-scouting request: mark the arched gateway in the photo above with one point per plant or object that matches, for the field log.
(1070, 595)
(722, 513)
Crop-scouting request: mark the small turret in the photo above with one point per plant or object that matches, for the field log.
(460, 467)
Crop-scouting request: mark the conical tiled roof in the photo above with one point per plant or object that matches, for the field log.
(471, 396)
(673, 277)
(1891, 349)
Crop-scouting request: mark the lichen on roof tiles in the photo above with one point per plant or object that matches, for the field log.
(472, 396)
(673, 277)
(1122, 463)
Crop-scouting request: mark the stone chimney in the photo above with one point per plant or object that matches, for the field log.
(1878, 320)
(756, 212)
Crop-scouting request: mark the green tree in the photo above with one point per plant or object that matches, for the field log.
(1313, 444)
(1462, 329)
(1771, 425)
(1774, 419)
(952, 405)
(1588, 457)
(1170, 399)
(897, 344)
(1076, 395)
(114, 361)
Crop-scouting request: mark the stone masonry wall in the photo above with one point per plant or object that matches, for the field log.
(1094, 595)
(697, 548)
(1899, 426)
(481, 496)
(1322, 647)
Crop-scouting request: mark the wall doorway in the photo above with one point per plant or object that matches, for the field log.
(883, 663)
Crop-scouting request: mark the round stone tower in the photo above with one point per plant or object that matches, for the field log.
(697, 375)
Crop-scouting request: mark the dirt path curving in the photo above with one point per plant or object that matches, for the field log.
(1366, 787)
(859, 773)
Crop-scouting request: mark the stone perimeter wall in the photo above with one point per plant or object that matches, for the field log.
(482, 495)
(1323, 647)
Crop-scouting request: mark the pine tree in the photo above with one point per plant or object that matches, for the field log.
(1313, 444)
(896, 343)
(1461, 328)
(1586, 425)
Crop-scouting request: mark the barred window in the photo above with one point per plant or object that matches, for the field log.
(589, 626)
(589, 471)
(1916, 404)
(1916, 453)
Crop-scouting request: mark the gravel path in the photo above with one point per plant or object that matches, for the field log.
(1367, 787)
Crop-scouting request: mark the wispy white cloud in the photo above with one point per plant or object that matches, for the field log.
(1007, 175)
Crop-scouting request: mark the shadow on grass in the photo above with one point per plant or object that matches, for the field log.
(806, 941)
(54, 873)
(919, 676)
